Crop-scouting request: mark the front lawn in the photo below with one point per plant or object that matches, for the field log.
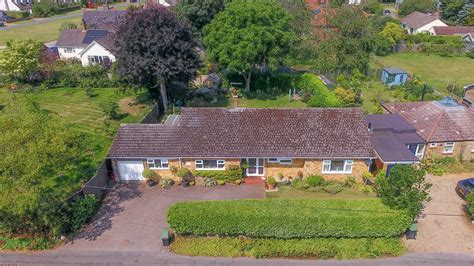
(73, 105)
(323, 248)
(286, 192)
(435, 70)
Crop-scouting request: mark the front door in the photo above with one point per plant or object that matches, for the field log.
(255, 166)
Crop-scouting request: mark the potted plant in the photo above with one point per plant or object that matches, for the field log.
(271, 183)
(235, 92)
(412, 231)
(152, 178)
(186, 176)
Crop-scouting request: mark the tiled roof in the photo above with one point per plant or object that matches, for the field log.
(436, 122)
(389, 122)
(71, 38)
(102, 19)
(453, 30)
(235, 133)
(417, 19)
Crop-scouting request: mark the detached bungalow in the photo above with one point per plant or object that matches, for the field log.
(446, 125)
(417, 22)
(331, 142)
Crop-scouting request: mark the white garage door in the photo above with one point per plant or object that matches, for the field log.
(130, 170)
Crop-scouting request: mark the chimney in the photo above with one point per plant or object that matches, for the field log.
(370, 127)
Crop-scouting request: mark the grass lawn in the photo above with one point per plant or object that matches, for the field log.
(285, 192)
(85, 113)
(43, 32)
(270, 102)
(435, 70)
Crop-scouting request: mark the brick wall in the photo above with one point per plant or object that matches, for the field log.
(462, 150)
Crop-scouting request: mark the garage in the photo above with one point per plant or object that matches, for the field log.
(130, 170)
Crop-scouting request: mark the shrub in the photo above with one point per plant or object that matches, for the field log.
(333, 188)
(80, 211)
(315, 180)
(470, 206)
(263, 218)
(295, 248)
(220, 182)
(297, 183)
(166, 182)
(233, 173)
(150, 174)
(110, 109)
(43, 10)
(209, 182)
(185, 174)
(271, 180)
(174, 170)
(470, 54)
(350, 181)
(18, 14)
(90, 92)
(437, 165)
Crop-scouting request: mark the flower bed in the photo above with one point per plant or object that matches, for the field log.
(286, 219)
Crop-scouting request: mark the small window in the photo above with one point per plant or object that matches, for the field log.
(280, 160)
(448, 147)
(433, 145)
(337, 167)
(157, 163)
(210, 164)
(69, 50)
(273, 160)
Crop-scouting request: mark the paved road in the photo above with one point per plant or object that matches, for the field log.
(36, 21)
(77, 257)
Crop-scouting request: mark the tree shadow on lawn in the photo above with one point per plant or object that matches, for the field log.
(111, 206)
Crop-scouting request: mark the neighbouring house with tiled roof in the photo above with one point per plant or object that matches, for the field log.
(417, 22)
(446, 125)
(94, 43)
(15, 5)
(333, 142)
(394, 140)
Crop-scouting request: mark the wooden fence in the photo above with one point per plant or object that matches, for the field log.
(154, 115)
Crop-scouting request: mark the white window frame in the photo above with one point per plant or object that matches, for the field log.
(280, 160)
(327, 164)
(69, 50)
(201, 162)
(418, 153)
(433, 145)
(257, 166)
(163, 161)
(450, 149)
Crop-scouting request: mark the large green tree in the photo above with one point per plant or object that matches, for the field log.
(154, 48)
(349, 42)
(21, 59)
(409, 6)
(451, 9)
(198, 13)
(404, 188)
(43, 160)
(249, 34)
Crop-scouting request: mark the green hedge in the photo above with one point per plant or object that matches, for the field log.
(229, 175)
(18, 14)
(326, 248)
(286, 219)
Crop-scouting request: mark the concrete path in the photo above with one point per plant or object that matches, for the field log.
(132, 216)
(444, 226)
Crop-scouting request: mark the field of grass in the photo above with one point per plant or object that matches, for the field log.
(292, 193)
(268, 102)
(435, 70)
(73, 105)
(43, 32)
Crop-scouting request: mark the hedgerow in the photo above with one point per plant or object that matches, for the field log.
(229, 175)
(286, 219)
(325, 248)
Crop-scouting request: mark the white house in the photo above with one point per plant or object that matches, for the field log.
(90, 46)
(417, 22)
(15, 5)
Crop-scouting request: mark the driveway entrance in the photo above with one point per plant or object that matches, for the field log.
(132, 216)
(444, 228)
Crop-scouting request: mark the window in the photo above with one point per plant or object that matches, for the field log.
(448, 147)
(101, 60)
(70, 50)
(210, 164)
(433, 145)
(157, 163)
(255, 166)
(337, 167)
(280, 160)
(420, 149)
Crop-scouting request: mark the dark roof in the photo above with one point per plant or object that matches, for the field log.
(71, 37)
(389, 122)
(437, 121)
(235, 133)
(102, 19)
(108, 42)
(417, 19)
(394, 71)
(453, 30)
(390, 149)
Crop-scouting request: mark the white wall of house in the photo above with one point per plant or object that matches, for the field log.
(429, 27)
(8, 5)
(354, 2)
(70, 52)
(95, 50)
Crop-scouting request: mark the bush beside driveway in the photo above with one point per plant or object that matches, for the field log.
(444, 227)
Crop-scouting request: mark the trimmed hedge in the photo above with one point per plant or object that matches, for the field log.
(326, 248)
(286, 219)
(229, 175)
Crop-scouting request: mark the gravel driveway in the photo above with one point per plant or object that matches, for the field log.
(444, 227)
(132, 216)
